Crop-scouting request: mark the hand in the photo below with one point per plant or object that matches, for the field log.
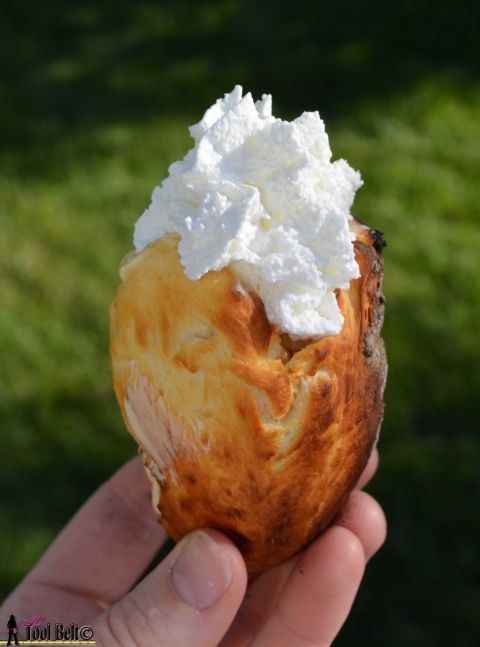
(198, 595)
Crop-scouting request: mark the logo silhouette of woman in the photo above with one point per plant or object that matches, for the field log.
(12, 630)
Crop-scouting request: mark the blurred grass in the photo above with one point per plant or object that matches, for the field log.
(94, 106)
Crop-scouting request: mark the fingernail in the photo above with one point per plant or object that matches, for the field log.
(201, 573)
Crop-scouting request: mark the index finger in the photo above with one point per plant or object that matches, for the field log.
(100, 553)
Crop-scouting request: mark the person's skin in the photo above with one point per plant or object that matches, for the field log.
(199, 594)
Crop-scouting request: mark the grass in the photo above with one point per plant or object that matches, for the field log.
(84, 142)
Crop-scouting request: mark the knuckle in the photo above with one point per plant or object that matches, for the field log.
(128, 624)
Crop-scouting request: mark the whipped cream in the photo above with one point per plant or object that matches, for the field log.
(261, 195)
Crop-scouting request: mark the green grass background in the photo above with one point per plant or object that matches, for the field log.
(95, 99)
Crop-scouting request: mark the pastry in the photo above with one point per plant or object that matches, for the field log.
(251, 418)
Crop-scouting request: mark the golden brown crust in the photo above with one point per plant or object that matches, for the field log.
(246, 430)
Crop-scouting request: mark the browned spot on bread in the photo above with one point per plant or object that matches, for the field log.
(238, 539)
(259, 327)
(186, 505)
(141, 331)
(276, 384)
(228, 455)
(164, 330)
(243, 319)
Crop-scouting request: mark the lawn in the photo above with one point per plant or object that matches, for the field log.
(82, 149)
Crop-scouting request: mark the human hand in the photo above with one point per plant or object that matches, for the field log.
(199, 594)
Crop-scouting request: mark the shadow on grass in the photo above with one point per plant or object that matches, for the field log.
(68, 67)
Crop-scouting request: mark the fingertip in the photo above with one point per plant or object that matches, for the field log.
(234, 556)
(364, 517)
(346, 550)
(338, 550)
(370, 469)
(319, 592)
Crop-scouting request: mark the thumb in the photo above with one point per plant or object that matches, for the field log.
(189, 599)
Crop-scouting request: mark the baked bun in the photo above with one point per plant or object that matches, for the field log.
(243, 429)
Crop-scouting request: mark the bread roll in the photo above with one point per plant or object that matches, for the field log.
(242, 428)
